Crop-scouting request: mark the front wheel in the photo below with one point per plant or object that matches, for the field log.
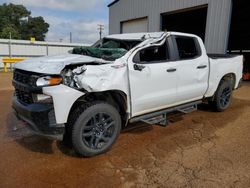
(96, 129)
(223, 96)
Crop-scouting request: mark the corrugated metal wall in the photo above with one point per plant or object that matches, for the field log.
(218, 19)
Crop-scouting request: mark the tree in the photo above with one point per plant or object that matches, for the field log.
(12, 14)
(7, 30)
(34, 27)
(17, 20)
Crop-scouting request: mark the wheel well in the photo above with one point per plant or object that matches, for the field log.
(230, 77)
(116, 98)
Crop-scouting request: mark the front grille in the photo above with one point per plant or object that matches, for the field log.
(25, 77)
(24, 83)
(25, 97)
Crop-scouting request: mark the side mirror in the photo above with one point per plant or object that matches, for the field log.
(139, 67)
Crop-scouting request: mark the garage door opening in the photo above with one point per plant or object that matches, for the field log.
(239, 39)
(188, 20)
(135, 26)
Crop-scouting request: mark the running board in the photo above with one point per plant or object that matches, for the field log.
(160, 117)
(159, 120)
(189, 109)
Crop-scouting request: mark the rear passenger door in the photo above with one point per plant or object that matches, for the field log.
(192, 69)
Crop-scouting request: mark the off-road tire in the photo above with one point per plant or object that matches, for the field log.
(223, 96)
(85, 115)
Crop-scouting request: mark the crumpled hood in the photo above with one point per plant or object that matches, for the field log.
(55, 64)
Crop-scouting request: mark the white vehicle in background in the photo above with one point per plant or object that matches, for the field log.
(89, 95)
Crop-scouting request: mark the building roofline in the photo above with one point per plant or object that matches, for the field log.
(112, 3)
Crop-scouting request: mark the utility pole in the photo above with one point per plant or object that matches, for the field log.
(10, 54)
(70, 37)
(100, 28)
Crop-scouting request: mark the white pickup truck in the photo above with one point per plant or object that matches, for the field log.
(89, 95)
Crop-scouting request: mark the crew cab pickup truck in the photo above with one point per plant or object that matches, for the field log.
(90, 94)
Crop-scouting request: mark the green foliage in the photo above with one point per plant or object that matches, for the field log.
(17, 20)
(34, 27)
(10, 29)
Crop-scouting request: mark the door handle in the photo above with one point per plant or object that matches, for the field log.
(202, 67)
(139, 67)
(171, 70)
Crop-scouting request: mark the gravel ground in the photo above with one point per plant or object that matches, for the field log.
(201, 149)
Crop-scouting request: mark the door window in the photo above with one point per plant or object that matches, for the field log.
(187, 48)
(153, 54)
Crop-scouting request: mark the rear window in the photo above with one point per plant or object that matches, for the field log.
(187, 47)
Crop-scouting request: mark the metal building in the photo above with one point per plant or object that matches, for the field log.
(222, 24)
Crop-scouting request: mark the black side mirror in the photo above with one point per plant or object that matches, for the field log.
(139, 67)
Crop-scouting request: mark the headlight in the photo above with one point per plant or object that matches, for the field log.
(49, 81)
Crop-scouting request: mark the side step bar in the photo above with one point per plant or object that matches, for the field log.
(159, 120)
(160, 117)
(189, 109)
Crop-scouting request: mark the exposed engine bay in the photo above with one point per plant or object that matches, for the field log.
(70, 76)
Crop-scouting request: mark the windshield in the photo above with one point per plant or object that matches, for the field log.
(107, 49)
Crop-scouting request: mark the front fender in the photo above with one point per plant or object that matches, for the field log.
(63, 98)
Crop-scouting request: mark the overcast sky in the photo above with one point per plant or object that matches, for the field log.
(80, 17)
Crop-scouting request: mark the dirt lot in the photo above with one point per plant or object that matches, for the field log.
(201, 149)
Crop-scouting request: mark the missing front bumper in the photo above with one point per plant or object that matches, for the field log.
(40, 118)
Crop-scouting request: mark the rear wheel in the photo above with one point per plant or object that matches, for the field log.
(223, 96)
(96, 129)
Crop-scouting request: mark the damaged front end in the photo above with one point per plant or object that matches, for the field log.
(95, 78)
(98, 73)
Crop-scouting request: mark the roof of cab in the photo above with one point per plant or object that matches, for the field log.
(143, 36)
(135, 36)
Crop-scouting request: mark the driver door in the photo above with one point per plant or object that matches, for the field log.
(153, 79)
